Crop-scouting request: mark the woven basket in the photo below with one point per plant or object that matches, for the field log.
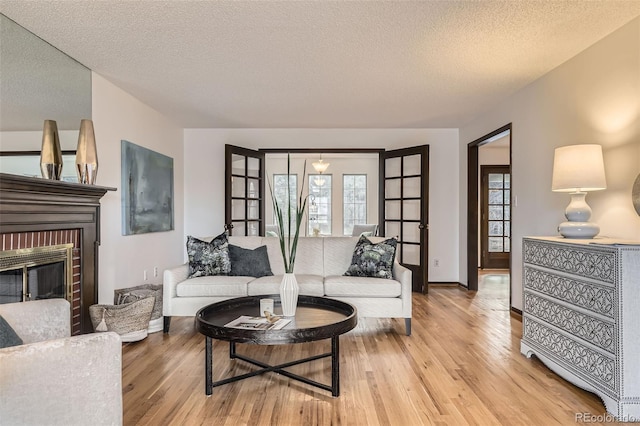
(132, 294)
(125, 318)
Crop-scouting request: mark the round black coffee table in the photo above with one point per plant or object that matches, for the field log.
(316, 318)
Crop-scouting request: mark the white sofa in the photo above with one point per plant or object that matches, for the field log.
(56, 379)
(319, 268)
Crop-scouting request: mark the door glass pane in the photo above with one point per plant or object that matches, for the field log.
(393, 229)
(507, 229)
(507, 244)
(252, 228)
(410, 232)
(239, 229)
(412, 165)
(495, 196)
(495, 228)
(237, 187)
(411, 187)
(495, 212)
(392, 210)
(237, 209)
(253, 167)
(392, 188)
(495, 244)
(411, 254)
(507, 181)
(252, 212)
(254, 188)
(237, 164)
(495, 180)
(392, 166)
(411, 210)
(507, 212)
(507, 196)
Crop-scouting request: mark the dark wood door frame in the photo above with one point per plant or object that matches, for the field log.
(473, 206)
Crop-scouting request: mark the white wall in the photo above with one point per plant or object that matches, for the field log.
(204, 176)
(592, 98)
(116, 116)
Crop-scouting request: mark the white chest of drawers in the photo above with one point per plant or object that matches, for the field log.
(581, 316)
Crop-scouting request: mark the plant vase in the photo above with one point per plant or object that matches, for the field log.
(289, 294)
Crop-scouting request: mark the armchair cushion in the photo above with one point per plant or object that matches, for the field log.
(8, 336)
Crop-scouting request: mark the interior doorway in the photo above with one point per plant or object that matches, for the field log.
(495, 216)
(499, 136)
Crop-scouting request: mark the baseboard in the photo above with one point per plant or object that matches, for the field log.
(445, 284)
(516, 313)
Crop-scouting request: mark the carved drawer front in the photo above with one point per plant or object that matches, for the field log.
(598, 263)
(590, 364)
(594, 297)
(588, 328)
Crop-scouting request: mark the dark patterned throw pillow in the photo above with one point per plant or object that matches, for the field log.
(249, 263)
(373, 260)
(208, 258)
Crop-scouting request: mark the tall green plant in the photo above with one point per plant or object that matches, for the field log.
(288, 246)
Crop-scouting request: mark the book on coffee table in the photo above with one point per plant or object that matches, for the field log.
(257, 323)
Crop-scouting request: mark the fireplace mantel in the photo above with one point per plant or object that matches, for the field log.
(32, 204)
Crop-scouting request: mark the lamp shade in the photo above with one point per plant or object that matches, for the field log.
(578, 168)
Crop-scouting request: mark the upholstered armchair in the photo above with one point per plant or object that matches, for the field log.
(369, 228)
(53, 378)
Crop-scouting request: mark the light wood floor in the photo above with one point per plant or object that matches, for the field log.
(462, 365)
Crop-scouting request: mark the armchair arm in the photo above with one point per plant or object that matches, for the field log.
(170, 279)
(74, 381)
(39, 320)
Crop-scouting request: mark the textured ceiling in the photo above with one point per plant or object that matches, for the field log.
(321, 64)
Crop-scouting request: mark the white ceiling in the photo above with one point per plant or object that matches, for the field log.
(321, 64)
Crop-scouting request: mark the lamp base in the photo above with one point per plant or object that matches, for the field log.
(584, 230)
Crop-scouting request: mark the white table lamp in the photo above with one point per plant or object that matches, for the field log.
(578, 169)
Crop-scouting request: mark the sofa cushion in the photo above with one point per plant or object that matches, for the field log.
(308, 256)
(249, 263)
(373, 259)
(310, 285)
(8, 336)
(338, 252)
(220, 285)
(208, 258)
(345, 286)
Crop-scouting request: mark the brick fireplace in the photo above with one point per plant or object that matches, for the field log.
(37, 213)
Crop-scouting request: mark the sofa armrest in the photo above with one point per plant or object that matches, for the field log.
(39, 320)
(170, 279)
(404, 275)
(74, 380)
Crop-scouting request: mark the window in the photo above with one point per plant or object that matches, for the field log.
(354, 201)
(280, 194)
(319, 204)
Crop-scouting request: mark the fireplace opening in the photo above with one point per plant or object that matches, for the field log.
(36, 273)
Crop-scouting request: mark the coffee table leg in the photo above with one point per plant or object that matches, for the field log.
(208, 365)
(232, 350)
(335, 366)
